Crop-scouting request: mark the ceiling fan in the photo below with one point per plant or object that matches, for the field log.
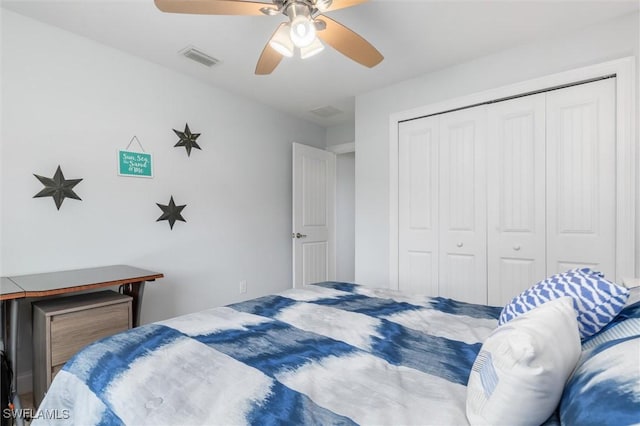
(307, 25)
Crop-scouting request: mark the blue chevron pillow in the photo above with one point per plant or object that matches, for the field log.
(596, 300)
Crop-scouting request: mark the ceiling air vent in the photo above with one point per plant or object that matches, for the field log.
(326, 111)
(199, 56)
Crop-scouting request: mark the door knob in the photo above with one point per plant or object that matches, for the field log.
(298, 235)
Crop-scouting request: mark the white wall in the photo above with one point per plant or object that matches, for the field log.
(343, 133)
(611, 40)
(72, 102)
(345, 217)
(345, 201)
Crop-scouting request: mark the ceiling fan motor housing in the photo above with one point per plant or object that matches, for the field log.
(298, 8)
(312, 6)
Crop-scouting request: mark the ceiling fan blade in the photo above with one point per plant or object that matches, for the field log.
(269, 59)
(214, 7)
(341, 4)
(349, 43)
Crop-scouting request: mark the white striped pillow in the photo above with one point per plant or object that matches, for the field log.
(596, 300)
(623, 330)
(518, 376)
(626, 324)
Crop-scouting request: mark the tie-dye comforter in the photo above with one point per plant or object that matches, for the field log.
(331, 353)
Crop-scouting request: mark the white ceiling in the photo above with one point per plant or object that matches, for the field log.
(415, 36)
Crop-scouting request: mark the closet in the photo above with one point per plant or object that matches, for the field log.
(495, 197)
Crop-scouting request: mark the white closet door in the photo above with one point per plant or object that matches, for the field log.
(581, 177)
(418, 206)
(463, 206)
(515, 196)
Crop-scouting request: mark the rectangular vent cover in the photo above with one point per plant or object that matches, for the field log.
(326, 111)
(199, 56)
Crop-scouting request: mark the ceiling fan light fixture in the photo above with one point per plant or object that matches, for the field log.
(303, 31)
(313, 49)
(306, 21)
(302, 27)
(281, 42)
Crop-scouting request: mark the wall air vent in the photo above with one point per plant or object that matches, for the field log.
(326, 111)
(199, 56)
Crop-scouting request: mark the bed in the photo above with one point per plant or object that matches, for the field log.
(329, 353)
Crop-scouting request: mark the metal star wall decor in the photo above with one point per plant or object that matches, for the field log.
(171, 212)
(58, 187)
(187, 139)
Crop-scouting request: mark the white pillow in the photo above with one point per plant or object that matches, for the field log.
(520, 371)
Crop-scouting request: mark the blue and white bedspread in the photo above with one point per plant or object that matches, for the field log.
(331, 353)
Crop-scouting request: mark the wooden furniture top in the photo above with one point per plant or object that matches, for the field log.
(9, 290)
(53, 283)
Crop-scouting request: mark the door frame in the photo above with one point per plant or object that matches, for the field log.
(626, 161)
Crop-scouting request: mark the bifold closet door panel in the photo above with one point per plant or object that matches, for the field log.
(463, 205)
(515, 196)
(581, 188)
(418, 206)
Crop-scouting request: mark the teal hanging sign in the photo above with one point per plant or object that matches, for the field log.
(136, 164)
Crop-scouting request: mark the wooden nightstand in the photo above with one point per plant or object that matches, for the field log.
(63, 326)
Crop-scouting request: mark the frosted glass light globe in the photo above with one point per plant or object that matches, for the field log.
(303, 31)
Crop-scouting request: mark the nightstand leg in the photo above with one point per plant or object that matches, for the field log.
(135, 290)
(13, 357)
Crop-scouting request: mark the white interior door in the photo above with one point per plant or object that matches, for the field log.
(313, 233)
(581, 184)
(463, 205)
(418, 206)
(515, 196)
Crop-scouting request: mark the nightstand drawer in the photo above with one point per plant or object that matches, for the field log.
(63, 326)
(73, 331)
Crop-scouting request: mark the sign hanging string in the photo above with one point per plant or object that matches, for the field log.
(135, 138)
